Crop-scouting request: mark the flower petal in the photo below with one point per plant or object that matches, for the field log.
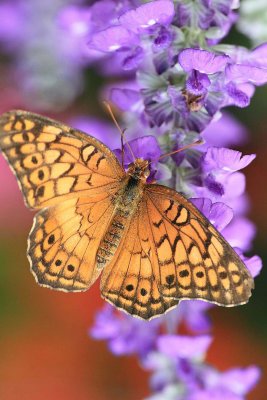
(202, 60)
(240, 380)
(219, 214)
(237, 96)
(145, 16)
(103, 131)
(145, 147)
(225, 131)
(133, 58)
(253, 264)
(125, 99)
(197, 83)
(258, 56)
(240, 73)
(240, 233)
(183, 346)
(112, 39)
(214, 394)
(226, 160)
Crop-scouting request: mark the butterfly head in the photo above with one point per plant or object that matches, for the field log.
(139, 169)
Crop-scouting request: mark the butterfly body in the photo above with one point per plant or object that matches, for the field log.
(152, 246)
(125, 201)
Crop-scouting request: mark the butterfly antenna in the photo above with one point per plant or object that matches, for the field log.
(188, 146)
(122, 131)
(122, 149)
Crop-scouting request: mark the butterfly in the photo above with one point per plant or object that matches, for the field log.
(152, 246)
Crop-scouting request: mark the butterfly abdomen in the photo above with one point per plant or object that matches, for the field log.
(126, 202)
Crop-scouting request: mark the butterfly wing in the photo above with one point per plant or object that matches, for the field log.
(170, 252)
(64, 240)
(53, 162)
(130, 281)
(194, 260)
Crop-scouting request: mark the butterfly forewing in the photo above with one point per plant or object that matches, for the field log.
(53, 162)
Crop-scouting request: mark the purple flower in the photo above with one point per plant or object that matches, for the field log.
(225, 132)
(240, 381)
(188, 13)
(192, 380)
(183, 346)
(125, 334)
(125, 99)
(11, 25)
(240, 233)
(232, 384)
(147, 148)
(254, 263)
(219, 214)
(240, 73)
(147, 16)
(191, 313)
(203, 61)
(103, 131)
(225, 160)
(125, 37)
(197, 83)
(113, 39)
(214, 18)
(219, 176)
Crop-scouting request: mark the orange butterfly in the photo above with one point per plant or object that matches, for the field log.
(151, 244)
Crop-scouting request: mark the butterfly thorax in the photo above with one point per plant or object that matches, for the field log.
(126, 202)
(139, 170)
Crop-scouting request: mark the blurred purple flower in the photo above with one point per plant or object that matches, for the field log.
(224, 132)
(11, 25)
(240, 233)
(194, 314)
(180, 346)
(124, 334)
(187, 379)
(103, 131)
(147, 16)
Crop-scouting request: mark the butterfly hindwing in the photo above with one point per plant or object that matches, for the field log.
(195, 261)
(129, 281)
(63, 242)
(53, 162)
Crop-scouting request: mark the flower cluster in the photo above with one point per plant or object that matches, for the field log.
(177, 362)
(178, 74)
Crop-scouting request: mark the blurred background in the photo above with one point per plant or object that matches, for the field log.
(46, 352)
